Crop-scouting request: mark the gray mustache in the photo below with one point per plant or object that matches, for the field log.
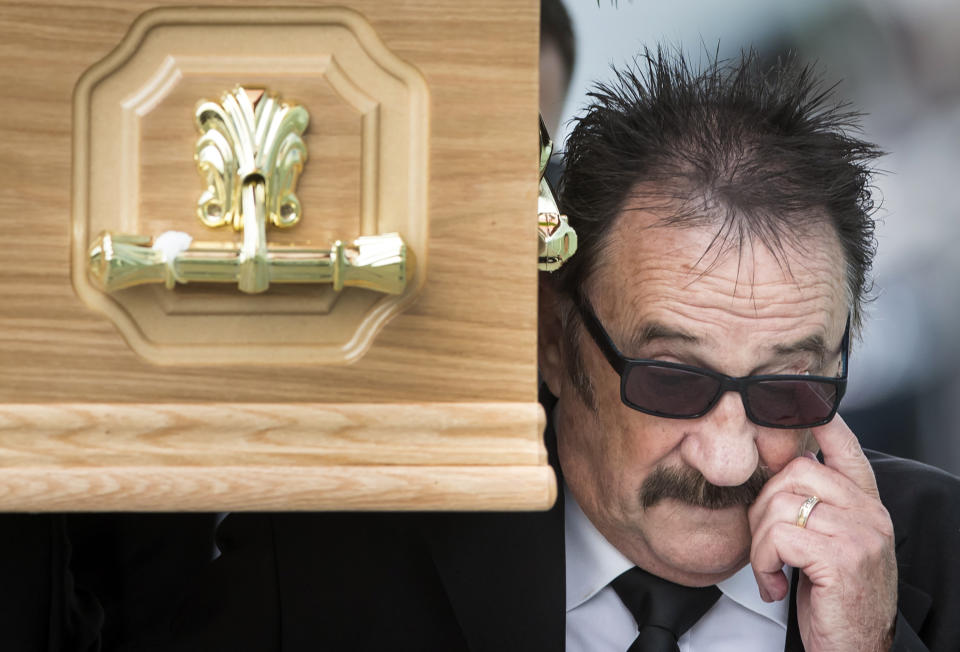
(689, 486)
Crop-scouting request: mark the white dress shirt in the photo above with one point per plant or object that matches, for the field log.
(597, 621)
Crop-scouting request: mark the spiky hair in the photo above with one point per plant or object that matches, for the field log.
(758, 152)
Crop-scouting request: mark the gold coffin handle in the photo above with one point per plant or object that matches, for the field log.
(119, 261)
(250, 153)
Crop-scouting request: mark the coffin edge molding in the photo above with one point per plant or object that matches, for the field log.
(236, 457)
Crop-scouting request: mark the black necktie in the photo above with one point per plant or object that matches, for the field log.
(663, 610)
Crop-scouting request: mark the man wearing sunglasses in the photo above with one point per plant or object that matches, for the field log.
(696, 348)
(697, 345)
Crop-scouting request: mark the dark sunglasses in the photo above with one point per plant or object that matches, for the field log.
(679, 391)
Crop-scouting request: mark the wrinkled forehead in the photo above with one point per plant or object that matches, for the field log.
(648, 259)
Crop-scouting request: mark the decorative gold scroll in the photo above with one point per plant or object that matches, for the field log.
(250, 132)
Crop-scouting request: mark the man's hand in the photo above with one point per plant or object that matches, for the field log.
(847, 596)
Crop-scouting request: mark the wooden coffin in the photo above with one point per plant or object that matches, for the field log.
(178, 393)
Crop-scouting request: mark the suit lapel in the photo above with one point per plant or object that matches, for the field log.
(793, 643)
(913, 602)
(914, 605)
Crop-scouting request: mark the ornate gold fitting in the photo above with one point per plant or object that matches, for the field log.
(250, 154)
(557, 240)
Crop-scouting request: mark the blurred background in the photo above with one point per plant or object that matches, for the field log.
(898, 61)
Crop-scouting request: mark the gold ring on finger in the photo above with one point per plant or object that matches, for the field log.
(805, 510)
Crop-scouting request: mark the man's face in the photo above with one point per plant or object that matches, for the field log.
(741, 314)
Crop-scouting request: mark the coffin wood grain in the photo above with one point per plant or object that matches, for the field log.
(275, 487)
(249, 456)
(96, 435)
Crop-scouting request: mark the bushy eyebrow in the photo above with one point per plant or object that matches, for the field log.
(654, 331)
(812, 344)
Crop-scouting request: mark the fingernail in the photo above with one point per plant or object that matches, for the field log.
(811, 455)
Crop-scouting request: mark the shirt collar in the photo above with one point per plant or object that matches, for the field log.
(592, 563)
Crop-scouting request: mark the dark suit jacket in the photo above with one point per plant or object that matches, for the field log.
(41, 608)
(491, 581)
(95, 582)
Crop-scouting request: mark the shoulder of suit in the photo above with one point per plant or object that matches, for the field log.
(897, 474)
(921, 499)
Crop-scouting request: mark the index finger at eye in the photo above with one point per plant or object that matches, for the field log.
(842, 452)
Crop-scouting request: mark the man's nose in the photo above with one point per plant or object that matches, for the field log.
(722, 444)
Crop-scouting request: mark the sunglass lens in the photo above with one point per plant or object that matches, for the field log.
(669, 392)
(791, 402)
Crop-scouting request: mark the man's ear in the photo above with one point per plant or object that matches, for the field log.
(550, 335)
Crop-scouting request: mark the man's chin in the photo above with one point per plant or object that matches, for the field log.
(698, 545)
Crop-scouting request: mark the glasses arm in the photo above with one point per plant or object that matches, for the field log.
(600, 336)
